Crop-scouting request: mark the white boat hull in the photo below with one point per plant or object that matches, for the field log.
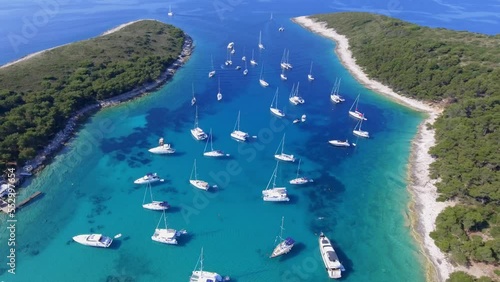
(361, 133)
(263, 83)
(211, 74)
(336, 99)
(253, 63)
(285, 157)
(166, 236)
(200, 184)
(148, 179)
(215, 154)
(356, 114)
(277, 112)
(198, 134)
(332, 264)
(338, 143)
(93, 240)
(281, 249)
(301, 181)
(205, 276)
(162, 150)
(310, 77)
(239, 135)
(157, 206)
(275, 195)
(296, 100)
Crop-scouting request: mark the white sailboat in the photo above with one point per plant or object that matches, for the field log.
(193, 179)
(245, 72)
(310, 77)
(219, 94)
(300, 180)
(230, 45)
(339, 143)
(295, 97)
(261, 46)
(282, 75)
(282, 156)
(274, 106)
(303, 118)
(283, 60)
(274, 194)
(356, 114)
(193, 100)
(285, 245)
(165, 235)
(281, 28)
(162, 148)
(288, 66)
(358, 132)
(197, 132)
(252, 61)
(229, 61)
(237, 134)
(153, 205)
(332, 264)
(213, 153)
(205, 276)
(170, 13)
(262, 82)
(212, 72)
(334, 96)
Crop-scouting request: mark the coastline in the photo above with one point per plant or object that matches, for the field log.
(38, 163)
(424, 207)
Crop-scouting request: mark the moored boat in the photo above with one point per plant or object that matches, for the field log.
(149, 178)
(332, 264)
(93, 240)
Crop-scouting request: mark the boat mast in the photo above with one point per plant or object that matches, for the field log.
(298, 168)
(281, 229)
(196, 118)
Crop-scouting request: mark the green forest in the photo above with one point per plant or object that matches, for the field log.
(460, 70)
(39, 95)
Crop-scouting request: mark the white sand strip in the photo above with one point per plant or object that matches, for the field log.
(421, 186)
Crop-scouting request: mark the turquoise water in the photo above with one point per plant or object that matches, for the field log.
(359, 197)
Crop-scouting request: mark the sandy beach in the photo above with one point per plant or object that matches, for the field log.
(424, 193)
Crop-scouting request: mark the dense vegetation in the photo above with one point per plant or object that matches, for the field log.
(462, 70)
(39, 95)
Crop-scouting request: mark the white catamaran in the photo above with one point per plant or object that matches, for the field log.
(334, 95)
(285, 245)
(274, 194)
(193, 179)
(213, 153)
(237, 133)
(295, 97)
(332, 264)
(356, 114)
(282, 156)
(300, 180)
(165, 235)
(205, 276)
(274, 106)
(197, 132)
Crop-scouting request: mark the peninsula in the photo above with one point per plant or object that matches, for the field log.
(44, 94)
(454, 168)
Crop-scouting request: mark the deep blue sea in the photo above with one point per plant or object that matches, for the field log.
(358, 198)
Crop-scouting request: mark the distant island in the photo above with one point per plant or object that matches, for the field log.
(43, 94)
(455, 178)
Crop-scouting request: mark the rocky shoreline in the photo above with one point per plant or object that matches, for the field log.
(57, 143)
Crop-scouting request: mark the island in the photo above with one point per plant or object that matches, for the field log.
(453, 76)
(44, 95)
